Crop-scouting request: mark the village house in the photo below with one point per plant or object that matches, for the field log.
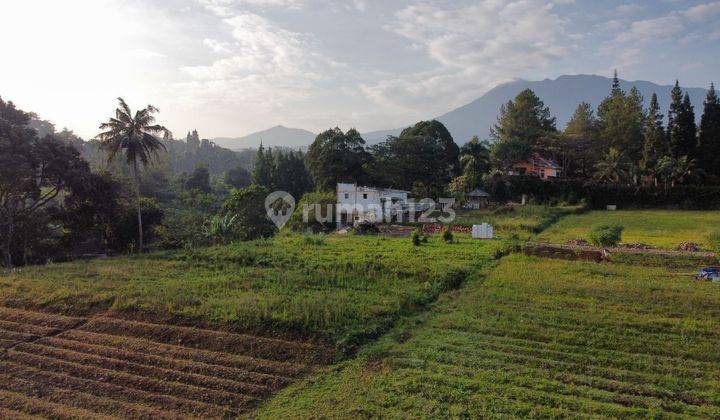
(538, 165)
(369, 204)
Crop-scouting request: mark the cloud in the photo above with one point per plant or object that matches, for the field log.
(629, 9)
(473, 47)
(703, 12)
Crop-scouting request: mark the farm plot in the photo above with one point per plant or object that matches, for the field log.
(659, 228)
(72, 367)
(537, 338)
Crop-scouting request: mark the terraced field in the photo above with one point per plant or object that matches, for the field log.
(71, 367)
(537, 338)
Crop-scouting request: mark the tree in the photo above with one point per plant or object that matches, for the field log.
(247, 207)
(579, 145)
(613, 167)
(238, 177)
(335, 157)
(622, 121)
(709, 138)
(681, 129)
(525, 118)
(262, 171)
(34, 173)
(655, 142)
(475, 161)
(506, 153)
(199, 180)
(423, 158)
(135, 137)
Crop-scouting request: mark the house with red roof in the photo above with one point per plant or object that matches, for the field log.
(538, 165)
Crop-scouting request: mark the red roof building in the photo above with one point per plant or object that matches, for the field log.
(538, 165)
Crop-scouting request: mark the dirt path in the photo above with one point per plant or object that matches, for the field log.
(106, 367)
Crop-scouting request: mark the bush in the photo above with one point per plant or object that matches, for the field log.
(605, 235)
(317, 239)
(325, 223)
(415, 237)
(447, 235)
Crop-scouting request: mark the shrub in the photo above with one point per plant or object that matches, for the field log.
(447, 235)
(415, 237)
(605, 235)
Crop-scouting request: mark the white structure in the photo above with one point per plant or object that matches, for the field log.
(483, 231)
(359, 204)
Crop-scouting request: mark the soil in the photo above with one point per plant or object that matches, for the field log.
(110, 367)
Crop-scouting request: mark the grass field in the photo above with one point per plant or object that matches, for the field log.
(523, 219)
(660, 228)
(537, 338)
(345, 288)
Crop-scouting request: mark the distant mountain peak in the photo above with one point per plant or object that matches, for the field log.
(562, 94)
(277, 136)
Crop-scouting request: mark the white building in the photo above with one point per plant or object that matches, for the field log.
(359, 204)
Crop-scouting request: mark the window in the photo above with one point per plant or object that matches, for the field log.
(347, 195)
(364, 196)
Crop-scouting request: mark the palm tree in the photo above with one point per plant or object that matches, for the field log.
(613, 167)
(136, 137)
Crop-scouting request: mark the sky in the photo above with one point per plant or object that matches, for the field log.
(231, 67)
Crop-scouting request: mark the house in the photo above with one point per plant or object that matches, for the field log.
(538, 165)
(359, 204)
(477, 199)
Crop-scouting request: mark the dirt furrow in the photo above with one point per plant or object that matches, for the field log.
(82, 400)
(117, 392)
(284, 369)
(271, 381)
(147, 371)
(24, 328)
(16, 336)
(8, 414)
(267, 348)
(33, 406)
(235, 401)
(38, 318)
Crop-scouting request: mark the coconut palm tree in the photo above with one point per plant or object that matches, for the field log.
(136, 138)
(613, 167)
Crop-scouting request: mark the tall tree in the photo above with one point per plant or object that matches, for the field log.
(335, 157)
(613, 167)
(621, 122)
(135, 137)
(709, 138)
(34, 173)
(525, 118)
(423, 159)
(579, 147)
(475, 161)
(655, 142)
(262, 170)
(681, 130)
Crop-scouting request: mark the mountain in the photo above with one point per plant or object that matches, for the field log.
(272, 137)
(562, 95)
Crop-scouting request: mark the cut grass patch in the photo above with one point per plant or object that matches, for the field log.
(660, 228)
(537, 338)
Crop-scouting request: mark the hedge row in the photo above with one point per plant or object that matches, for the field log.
(599, 195)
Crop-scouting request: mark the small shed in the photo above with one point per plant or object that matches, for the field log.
(477, 199)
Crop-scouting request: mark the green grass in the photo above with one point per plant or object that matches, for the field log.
(524, 219)
(536, 338)
(348, 288)
(660, 228)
